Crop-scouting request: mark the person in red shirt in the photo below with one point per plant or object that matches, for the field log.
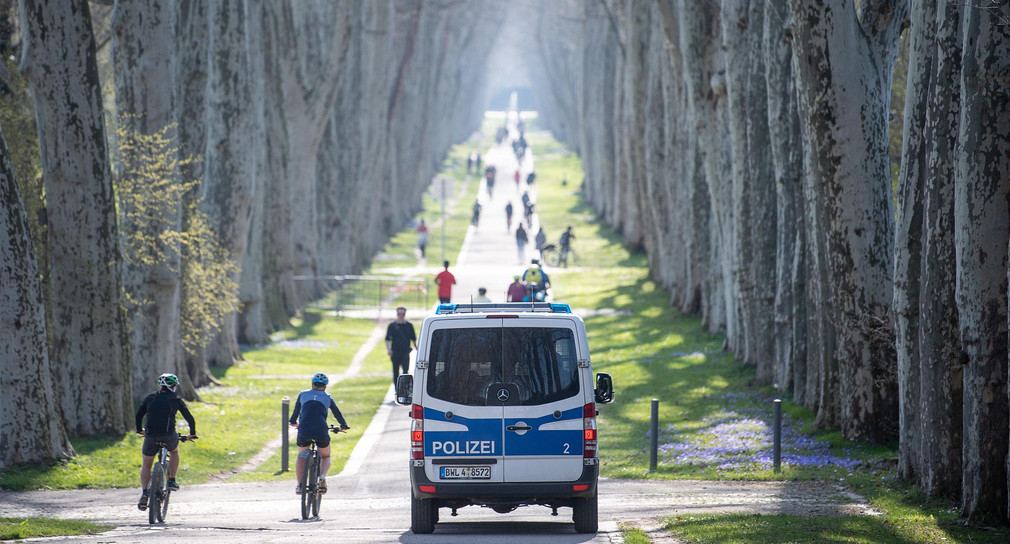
(445, 280)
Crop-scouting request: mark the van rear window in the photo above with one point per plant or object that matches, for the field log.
(466, 366)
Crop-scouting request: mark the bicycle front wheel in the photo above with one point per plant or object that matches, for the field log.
(154, 494)
(306, 492)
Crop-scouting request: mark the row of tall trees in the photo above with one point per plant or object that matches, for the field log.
(224, 148)
(744, 145)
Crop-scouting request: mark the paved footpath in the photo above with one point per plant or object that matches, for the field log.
(369, 502)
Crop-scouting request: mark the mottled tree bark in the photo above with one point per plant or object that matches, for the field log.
(847, 123)
(88, 351)
(235, 140)
(143, 46)
(982, 224)
(789, 353)
(191, 105)
(33, 430)
(940, 353)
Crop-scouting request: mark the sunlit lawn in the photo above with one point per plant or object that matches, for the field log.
(235, 419)
(19, 528)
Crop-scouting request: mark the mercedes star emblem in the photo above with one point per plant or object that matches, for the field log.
(503, 394)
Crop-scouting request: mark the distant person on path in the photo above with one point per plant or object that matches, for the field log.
(399, 336)
(476, 214)
(469, 163)
(481, 297)
(422, 237)
(521, 239)
(530, 178)
(476, 165)
(508, 216)
(517, 179)
(160, 408)
(565, 244)
(445, 280)
(516, 291)
(541, 240)
(309, 416)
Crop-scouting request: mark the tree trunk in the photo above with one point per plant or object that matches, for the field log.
(908, 238)
(940, 353)
(33, 430)
(847, 124)
(191, 115)
(88, 355)
(143, 47)
(753, 183)
(786, 149)
(929, 351)
(703, 64)
(235, 141)
(982, 224)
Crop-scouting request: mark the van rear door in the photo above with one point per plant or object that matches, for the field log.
(544, 398)
(463, 429)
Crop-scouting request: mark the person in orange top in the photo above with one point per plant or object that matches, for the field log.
(445, 280)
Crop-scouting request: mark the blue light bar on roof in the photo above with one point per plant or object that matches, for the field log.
(556, 308)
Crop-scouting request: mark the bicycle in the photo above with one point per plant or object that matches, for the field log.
(158, 492)
(312, 494)
(559, 257)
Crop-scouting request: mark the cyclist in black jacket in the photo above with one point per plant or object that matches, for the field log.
(160, 408)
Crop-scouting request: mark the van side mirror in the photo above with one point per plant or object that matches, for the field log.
(405, 389)
(604, 388)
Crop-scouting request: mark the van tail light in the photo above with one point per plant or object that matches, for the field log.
(417, 432)
(589, 430)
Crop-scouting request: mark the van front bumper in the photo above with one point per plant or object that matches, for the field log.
(506, 492)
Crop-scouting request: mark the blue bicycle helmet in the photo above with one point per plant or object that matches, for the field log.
(320, 379)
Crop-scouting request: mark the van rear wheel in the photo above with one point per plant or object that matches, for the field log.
(423, 515)
(585, 515)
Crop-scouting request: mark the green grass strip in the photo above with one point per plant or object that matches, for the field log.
(19, 528)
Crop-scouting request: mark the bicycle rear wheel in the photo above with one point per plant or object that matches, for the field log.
(306, 492)
(154, 494)
(316, 496)
(163, 511)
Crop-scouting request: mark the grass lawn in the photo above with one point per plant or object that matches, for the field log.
(461, 192)
(19, 528)
(236, 419)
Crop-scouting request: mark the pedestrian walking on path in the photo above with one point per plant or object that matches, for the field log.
(516, 291)
(521, 239)
(422, 237)
(445, 280)
(399, 337)
(481, 297)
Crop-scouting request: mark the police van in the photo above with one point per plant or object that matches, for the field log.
(503, 409)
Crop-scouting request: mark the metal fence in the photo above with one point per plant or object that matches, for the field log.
(355, 294)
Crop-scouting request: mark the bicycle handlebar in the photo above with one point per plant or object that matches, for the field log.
(336, 430)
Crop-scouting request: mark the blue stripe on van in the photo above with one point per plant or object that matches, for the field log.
(545, 442)
(482, 437)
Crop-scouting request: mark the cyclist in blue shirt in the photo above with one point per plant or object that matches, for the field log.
(160, 408)
(310, 409)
